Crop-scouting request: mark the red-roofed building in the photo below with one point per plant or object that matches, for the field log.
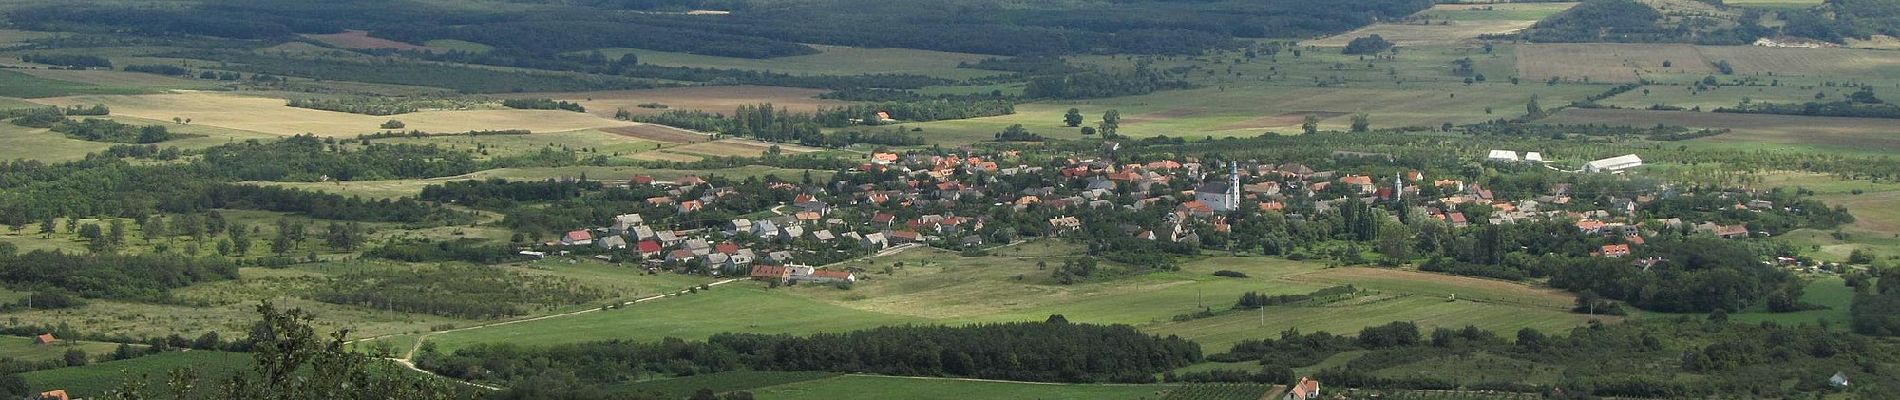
(578, 238)
(691, 206)
(641, 180)
(771, 272)
(1306, 389)
(44, 339)
(883, 219)
(648, 248)
(56, 394)
(690, 180)
(727, 248)
(906, 237)
(1616, 250)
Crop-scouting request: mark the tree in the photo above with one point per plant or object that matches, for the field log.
(153, 229)
(1361, 122)
(76, 357)
(1532, 110)
(1073, 118)
(1310, 124)
(393, 124)
(1367, 45)
(48, 226)
(1111, 123)
(1088, 130)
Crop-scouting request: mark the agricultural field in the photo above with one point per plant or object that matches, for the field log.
(869, 387)
(390, 189)
(831, 60)
(25, 349)
(1602, 62)
(1773, 4)
(1757, 131)
(714, 99)
(20, 84)
(23, 143)
(1451, 24)
(271, 115)
(355, 39)
(96, 379)
(720, 382)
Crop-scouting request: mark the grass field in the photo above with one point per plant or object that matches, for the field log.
(270, 115)
(24, 348)
(96, 379)
(1495, 12)
(1452, 24)
(1602, 62)
(831, 60)
(18, 142)
(720, 382)
(20, 84)
(412, 187)
(122, 79)
(715, 99)
(1757, 131)
(729, 308)
(867, 387)
(355, 39)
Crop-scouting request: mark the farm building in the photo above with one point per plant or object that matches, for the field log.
(1614, 164)
(804, 273)
(577, 238)
(44, 339)
(1502, 155)
(1307, 388)
(1532, 156)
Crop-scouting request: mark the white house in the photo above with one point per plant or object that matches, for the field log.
(1614, 164)
(626, 222)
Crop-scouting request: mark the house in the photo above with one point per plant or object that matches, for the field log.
(640, 180)
(612, 243)
(1532, 156)
(56, 394)
(726, 248)
(648, 248)
(791, 232)
(1065, 224)
(642, 232)
(1614, 164)
(876, 241)
(805, 273)
(765, 229)
(697, 245)
(667, 238)
(824, 236)
(779, 257)
(690, 180)
(44, 339)
(691, 206)
(681, 255)
(882, 219)
(906, 237)
(1615, 250)
(626, 222)
(738, 226)
(1306, 389)
(578, 238)
(771, 273)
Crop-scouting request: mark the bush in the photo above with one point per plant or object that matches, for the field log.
(1230, 274)
(394, 124)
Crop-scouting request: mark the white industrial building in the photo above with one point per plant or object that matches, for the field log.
(1502, 155)
(1614, 164)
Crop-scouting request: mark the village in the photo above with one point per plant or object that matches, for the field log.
(969, 200)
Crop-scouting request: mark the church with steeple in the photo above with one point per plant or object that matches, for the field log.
(1222, 196)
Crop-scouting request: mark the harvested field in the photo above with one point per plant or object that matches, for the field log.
(270, 115)
(1861, 134)
(658, 133)
(666, 156)
(717, 99)
(733, 147)
(1602, 62)
(1450, 33)
(354, 39)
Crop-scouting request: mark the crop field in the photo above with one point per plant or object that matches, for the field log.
(1439, 32)
(1495, 12)
(715, 99)
(658, 133)
(20, 84)
(870, 387)
(1760, 131)
(354, 39)
(8, 36)
(271, 115)
(96, 379)
(720, 382)
(1687, 97)
(109, 78)
(1627, 62)
(736, 148)
(739, 307)
(24, 348)
(23, 143)
(1220, 391)
(588, 142)
(831, 60)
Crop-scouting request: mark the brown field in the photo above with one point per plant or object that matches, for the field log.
(658, 133)
(1283, 120)
(666, 156)
(1607, 62)
(354, 39)
(1452, 33)
(1862, 133)
(735, 147)
(1626, 62)
(718, 99)
(270, 115)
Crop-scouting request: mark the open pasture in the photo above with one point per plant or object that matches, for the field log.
(587, 141)
(271, 115)
(355, 39)
(122, 79)
(831, 60)
(1604, 62)
(1494, 11)
(736, 148)
(1880, 136)
(23, 143)
(871, 387)
(658, 133)
(24, 348)
(714, 99)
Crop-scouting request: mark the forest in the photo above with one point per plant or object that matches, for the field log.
(109, 276)
(471, 292)
(1051, 351)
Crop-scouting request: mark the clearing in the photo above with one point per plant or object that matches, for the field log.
(1756, 131)
(831, 60)
(355, 39)
(271, 115)
(1608, 62)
